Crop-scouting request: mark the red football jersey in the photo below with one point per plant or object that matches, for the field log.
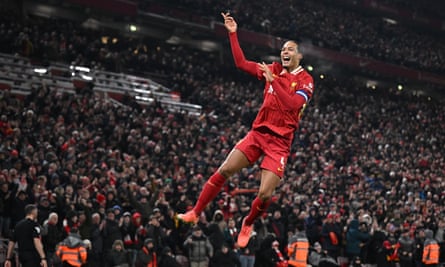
(284, 99)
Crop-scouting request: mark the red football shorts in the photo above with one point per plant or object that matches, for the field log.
(274, 148)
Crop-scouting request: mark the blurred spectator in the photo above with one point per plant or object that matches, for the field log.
(247, 254)
(298, 248)
(230, 233)
(313, 224)
(96, 254)
(225, 257)
(156, 233)
(430, 256)
(315, 254)
(168, 259)
(147, 255)
(331, 234)
(355, 240)
(111, 231)
(51, 236)
(71, 250)
(199, 248)
(118, 257)
(406, 250)
(215, 229)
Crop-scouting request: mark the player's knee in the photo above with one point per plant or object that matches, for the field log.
(264, 195)
(226, 171)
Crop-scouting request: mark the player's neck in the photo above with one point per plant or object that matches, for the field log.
(291, 69)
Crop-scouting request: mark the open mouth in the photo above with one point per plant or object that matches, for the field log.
(285, 59)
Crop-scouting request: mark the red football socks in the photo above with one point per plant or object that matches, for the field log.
(258, 207)
(210, 190)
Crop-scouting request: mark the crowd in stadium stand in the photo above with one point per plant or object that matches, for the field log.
(118, 174)
(434, 9)
(332, 27)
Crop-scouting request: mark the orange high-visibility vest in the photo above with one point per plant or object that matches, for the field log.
(73, 256)
(431, 253)
(298, 252)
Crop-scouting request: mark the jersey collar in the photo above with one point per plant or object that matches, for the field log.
(294, 72)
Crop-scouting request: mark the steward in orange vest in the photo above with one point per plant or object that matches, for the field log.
(430, 250)
(298, 249)
(72, 251)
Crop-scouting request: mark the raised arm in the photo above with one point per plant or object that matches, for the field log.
(238, 55)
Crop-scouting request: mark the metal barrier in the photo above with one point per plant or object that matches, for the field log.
(19, 76)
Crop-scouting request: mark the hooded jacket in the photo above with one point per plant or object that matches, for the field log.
(354, 237)
(430, 249)
(406, 250)
(72, 251)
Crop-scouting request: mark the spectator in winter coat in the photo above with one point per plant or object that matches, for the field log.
(331, 233)
(313, 225)
(147, 256)
(51, 236)
(355, 239)
(315, 255)
(247, 254)
(111, 231)
(230, 233)
(97, 241)
(266, 256)
(128, 231)
(118, 256)
(225, 257)
(199, 248)
(168, 259)
(430, 257)
(141, 231)
(215, 230)
(155, 232)
(72, 251)
(406, 249)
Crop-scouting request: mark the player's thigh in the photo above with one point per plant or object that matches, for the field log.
(245, 153)
(235, 161)
(269, 181)
(276, 154)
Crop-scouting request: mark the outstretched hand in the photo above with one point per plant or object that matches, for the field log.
(229, 22)
(267, 73)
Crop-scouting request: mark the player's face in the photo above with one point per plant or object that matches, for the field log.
(290, 57)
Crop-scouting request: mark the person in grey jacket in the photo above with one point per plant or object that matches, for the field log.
(199, 248)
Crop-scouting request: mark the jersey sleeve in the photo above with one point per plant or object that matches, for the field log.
(240, 60)
(306, 88)
(36, 231)
(294, 99)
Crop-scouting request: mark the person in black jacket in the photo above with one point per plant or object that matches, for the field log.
(52, 234)
(155, 232)
(95, 256)
(406, 250)
(118, 256)
(147, 255)
(265, 256)
(225, 257)
(167, 258)
(111, 231)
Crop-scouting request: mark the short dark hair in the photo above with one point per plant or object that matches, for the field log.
(30, 208)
